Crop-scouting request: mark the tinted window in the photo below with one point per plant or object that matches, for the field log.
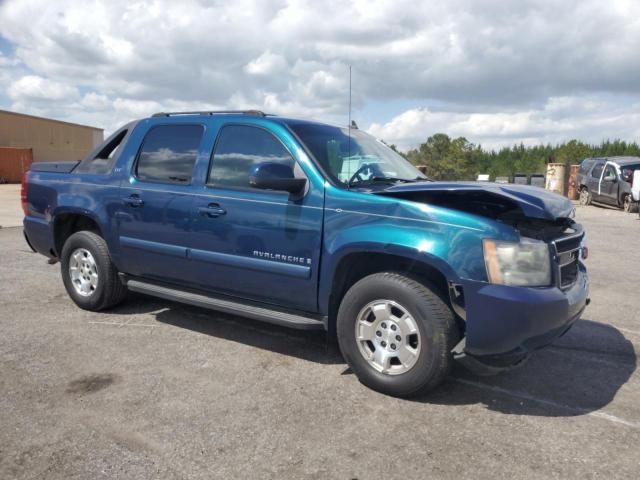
(627, 172)
(102, 163)
(169, 152)
(597, 170)
(239, 148)
(585, 166)
(610, 171)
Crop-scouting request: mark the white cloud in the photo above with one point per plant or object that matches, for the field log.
(497, 72)
(267, 64)
(35, 88)
(560, 119)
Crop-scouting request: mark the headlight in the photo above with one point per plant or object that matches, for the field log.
(518, 264)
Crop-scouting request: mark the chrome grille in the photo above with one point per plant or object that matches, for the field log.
(567, 256)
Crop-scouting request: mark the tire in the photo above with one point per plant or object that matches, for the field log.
(96, 286)
(629, 205)
(585, 196)
(392, 296)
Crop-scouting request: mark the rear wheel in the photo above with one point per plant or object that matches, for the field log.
(89, 276)
(585, 196)
(396, 334)
(629, 205)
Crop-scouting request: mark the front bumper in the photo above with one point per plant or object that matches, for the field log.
(511, 322)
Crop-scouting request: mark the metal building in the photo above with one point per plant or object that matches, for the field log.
(48, 141)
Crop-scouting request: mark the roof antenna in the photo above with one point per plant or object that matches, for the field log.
(349, 124)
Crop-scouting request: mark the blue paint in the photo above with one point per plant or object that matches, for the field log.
(285, 250)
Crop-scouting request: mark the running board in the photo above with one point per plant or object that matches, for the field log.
(228, 306)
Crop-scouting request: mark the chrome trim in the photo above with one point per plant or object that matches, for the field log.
(558, 252)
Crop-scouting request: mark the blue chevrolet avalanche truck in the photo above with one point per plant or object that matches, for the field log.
(311, 226)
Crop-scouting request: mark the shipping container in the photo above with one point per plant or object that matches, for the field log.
(13, 163)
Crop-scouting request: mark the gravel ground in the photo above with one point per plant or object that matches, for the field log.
(160, 390)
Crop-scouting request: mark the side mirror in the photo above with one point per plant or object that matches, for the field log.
(276, 176)
(610, 178)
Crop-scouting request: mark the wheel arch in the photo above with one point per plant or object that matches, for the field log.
(352, 266)
(69, 221)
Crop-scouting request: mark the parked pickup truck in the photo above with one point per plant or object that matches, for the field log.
(308, 225)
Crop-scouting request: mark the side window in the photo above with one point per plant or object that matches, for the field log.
(610, 171)
(102, 163)
(597, 170)
(168, 153)
(585, 166)
(240, 147)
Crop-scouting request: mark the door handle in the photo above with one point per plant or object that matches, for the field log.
(134, 201)
(212, 210)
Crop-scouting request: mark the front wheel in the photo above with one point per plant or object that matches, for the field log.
(89, 276)
(629, 205)
(585, 196)
(396, 334)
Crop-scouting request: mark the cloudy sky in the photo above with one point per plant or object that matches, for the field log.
(496, 72)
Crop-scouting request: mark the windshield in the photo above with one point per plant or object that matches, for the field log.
(357, 158)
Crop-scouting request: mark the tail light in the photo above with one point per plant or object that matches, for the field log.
(23, 193)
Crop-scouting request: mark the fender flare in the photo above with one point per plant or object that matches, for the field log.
(330, 266)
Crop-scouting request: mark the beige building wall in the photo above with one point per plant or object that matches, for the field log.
(51, 140)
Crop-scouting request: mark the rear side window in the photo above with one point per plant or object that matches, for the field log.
(169, 153)
(238, 149)
(102, 162)
(627, 172)
(597, 170)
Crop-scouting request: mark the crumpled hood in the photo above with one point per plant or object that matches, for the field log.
(534, 202)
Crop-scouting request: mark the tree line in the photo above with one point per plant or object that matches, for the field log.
(448, 158)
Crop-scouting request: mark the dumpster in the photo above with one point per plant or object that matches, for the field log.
(537, 180)
(520, 179)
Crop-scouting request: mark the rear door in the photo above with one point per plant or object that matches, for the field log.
(593, 179)
(256, 244)
(154, 218)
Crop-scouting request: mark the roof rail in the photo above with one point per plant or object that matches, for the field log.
(255, 113)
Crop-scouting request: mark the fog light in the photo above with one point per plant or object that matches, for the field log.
(585, 253)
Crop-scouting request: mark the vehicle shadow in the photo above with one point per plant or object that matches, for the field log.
(580, 373)
(307, 345)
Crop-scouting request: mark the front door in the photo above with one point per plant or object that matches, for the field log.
(260, 245)
(609, 185)
(155, 217)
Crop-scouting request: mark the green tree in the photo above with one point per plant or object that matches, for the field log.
(446, 159)
(459, 159)
(573, 152)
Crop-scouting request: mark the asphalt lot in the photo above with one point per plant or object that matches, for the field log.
(160, 390)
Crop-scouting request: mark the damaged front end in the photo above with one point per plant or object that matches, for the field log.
(535, 288)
